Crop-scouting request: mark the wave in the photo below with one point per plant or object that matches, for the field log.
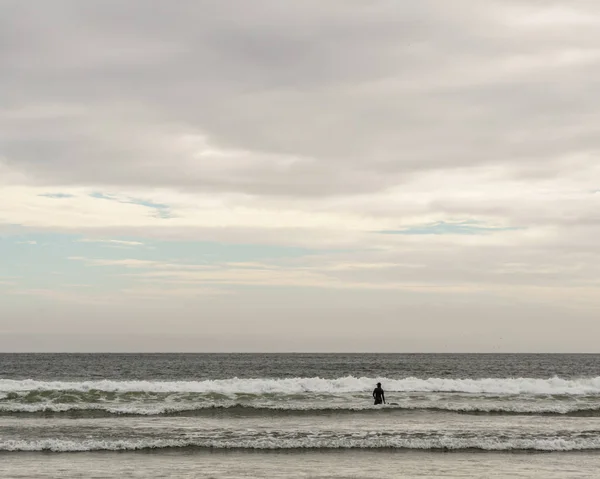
(194, 409)
(440, 443)
(233, 386)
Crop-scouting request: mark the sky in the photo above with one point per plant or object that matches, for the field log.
(356, 175)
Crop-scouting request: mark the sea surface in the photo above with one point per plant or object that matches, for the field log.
(299, 415)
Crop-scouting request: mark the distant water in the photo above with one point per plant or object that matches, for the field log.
(287, 408)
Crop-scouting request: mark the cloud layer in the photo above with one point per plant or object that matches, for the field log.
(391, 148)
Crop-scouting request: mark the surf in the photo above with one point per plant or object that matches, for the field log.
(300, 385)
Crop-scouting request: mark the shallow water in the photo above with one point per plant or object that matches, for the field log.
(299, 416)
(322, 465)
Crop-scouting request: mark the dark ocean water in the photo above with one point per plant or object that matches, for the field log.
(193, 367)
(297, 404)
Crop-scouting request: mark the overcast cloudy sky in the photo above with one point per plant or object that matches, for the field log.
(356, 175)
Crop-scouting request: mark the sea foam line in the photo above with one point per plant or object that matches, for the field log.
(500, 386)
(433, 444)
(166, 409)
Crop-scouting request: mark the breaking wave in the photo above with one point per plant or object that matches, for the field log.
(504, 386)
(439, 443)
(194, 409)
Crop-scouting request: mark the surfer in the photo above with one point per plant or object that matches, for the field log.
(378, 395)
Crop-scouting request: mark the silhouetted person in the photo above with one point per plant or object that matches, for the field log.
(378, 395)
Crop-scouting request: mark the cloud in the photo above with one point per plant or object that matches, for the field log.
(162, 211)
(149, 292)
(372, 96)
(468, 131)
(460, 272)
(117, 262)
(112, 242)
(57, 195)
(443, 228)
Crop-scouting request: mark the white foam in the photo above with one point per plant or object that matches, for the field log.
(139, 409)
(151, 409)
(498, 386)
(375, 442)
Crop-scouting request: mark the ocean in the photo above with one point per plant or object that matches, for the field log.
(299, 415)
